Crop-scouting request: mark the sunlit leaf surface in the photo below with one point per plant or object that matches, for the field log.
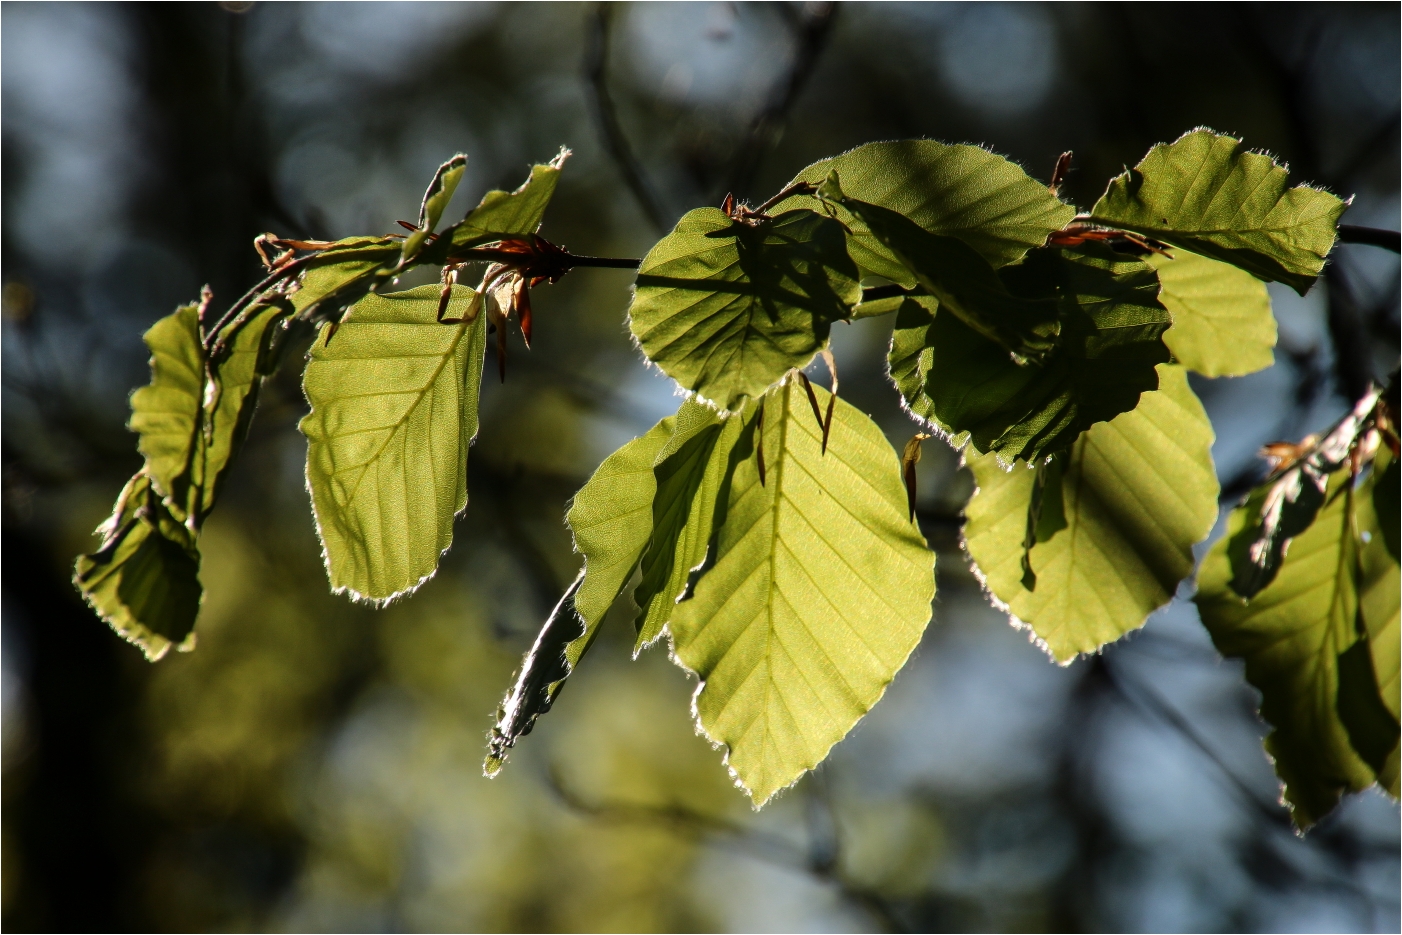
(1206, 193)
(957, 190)
(1222, 321)
(818, 588)
(394, 409)
(726, 309)
(1296, 636)
(1136, 494)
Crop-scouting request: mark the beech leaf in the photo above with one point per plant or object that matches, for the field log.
(1206, 193)
(1136, 493)
(816, 589)
(393, 396)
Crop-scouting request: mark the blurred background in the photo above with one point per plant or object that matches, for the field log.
(316, 765)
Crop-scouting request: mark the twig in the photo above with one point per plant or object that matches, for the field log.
(811, 35)
(606, 116)
(1388, 240)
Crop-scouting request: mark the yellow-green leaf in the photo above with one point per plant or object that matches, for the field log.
(1206, 193)
(817, 590)
(143, 580)
(194, 413)
(726, 308)
(436, 197)
(1136, 492)
(394, 409)
(1222, 321)
(504, 214)
(957, 190)
(1292, 635)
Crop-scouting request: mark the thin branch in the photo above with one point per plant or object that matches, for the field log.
(1388, 240)
(606, 116)
(811, 32)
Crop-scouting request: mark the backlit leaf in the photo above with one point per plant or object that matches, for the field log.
(966, 387)
(504, 214)
(436, 198)
(144, 578)
(613, 519)
(691, 476)
(1205, 193)
(726, 309)
(193, 414)
(1380, 605)
(817, 590)
(1222, 321)
(964, 283)
(957, 190)
(1136, 494)
(1292, 635)
(341, 274)
(394, 409)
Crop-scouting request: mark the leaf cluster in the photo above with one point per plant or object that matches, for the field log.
(767, 530)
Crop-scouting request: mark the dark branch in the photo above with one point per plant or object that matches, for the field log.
(606, 116)
(811, 32)
(605, 262)
(1388, 240)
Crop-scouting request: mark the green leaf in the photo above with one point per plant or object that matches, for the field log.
(436, 198)
(726, 308)
(394, 409)
(194, 414)
(504, 214)
(342, 273)
(1205, 193)
(1222, 321)
(966, 387)
(817, 589)
(963, 282)
(1380, 606)
(1136, 492)
(1291, 636)
(1387, 502)
(1288, 503)
(144, 578)
(612, 519)
(960, 191)
(691, 477)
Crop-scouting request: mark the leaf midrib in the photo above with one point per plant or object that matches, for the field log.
(448, 354)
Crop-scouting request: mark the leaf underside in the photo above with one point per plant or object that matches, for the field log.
(1222, 321)
(1205, 193)
(394, 409)
(143, 580)
(965, 386)
(817, 589)
(727, 309)
(1136, 492)
(1299, 637)
(957, 190)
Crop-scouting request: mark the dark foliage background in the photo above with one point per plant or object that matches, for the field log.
(316, 765)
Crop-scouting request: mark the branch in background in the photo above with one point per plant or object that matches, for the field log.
(811, 27)
(822, 859)
(606, 117)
